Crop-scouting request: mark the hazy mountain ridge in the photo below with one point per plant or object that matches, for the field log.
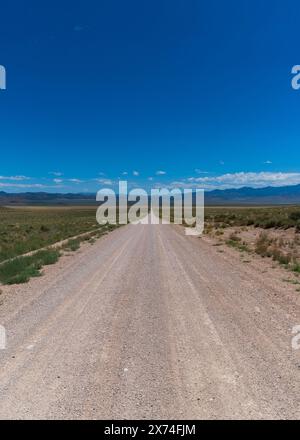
(245, 195)
(248, 195)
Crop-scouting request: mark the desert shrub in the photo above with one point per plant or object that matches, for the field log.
(44, 228)
(272, 223)
(234, 237)
(295, 216)
(72, 245)
(296, 267)
(284, 259)
(276, 253)
(262, 245)
(21, 269)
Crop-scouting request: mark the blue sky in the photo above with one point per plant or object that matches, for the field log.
(190, 93)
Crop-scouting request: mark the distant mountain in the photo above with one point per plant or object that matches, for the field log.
(262, 196)
(242, 196)
(44, 198)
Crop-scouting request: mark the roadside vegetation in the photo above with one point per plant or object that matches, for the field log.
(27, 229)
(271, 232)
(21, 269)
(281, 217)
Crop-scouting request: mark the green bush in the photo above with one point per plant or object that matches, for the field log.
(295, 216)
(21, 269)
(296, 267)
(72, 245)
(262, 245)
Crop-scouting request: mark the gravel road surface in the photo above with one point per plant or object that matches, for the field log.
(149, 323)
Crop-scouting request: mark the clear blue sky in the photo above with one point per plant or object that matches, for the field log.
(99, 88)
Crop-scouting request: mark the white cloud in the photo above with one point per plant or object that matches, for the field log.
(14, 178)
(56, 173)
(135, 173)
(22, 185)
(105, 181)
(240, 179)
(267, 162)
(160, 173)
(150, 178)
(57, 180)
(200, 171)
(75, 180)
(124, 173)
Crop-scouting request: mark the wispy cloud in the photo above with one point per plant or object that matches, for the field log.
(198, 171)
(56, 173)
(14, 178)
(200, 180)
(105, 181)
(160, 173)
(240, 179)
(23, 185)
(75, 180)
(268, 162)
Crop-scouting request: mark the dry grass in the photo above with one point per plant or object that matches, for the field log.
(27, 229)
(271, 232)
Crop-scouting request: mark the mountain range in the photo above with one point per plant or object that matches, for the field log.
(241, 196)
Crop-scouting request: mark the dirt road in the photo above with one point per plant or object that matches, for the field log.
(148, 323)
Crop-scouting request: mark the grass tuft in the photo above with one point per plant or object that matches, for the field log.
(72, 245)
(21, 269)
